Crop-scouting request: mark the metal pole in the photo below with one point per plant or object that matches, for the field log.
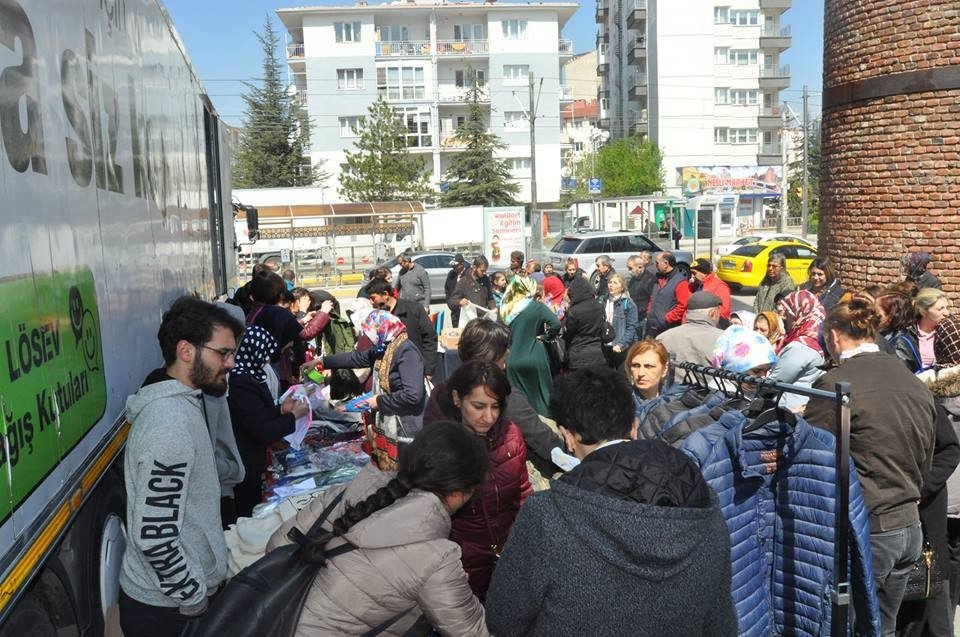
(782, 225)
(840, 615)
(536, 241)
(805, 210)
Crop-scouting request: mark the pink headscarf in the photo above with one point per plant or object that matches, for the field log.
(803, 308)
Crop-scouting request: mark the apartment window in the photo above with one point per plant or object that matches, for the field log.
(347, 31)
(745, 18)
(603, 48)
(417, 121)
(463, 78)
(515, 74)
(721, 95)
(514, 119)
(721, 55)
(577, 147)
(348, 125)
(743, 97)
(464, 32)
(401, 82)
(720, 135)
(742, 135)
(770, 138)
(389, 33)
(604, 103)
(721, 15)
(519, 164)
(514, 29)
(349, 79)
(743, 57)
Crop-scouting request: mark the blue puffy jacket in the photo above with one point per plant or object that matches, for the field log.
(777, 493)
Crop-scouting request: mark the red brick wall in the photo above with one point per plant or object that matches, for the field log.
(890, 174)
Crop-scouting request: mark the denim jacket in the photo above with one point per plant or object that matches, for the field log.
(624, 321)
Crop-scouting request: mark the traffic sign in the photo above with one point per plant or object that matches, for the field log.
(365, 259)
(341, 261)
(285, 255)
(594, 186)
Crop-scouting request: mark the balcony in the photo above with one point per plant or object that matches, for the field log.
(773, 39)
(295, 51)
(299, 97)
(602, 11)
(770, 155)
(411, 48)
(638, 54)
(775, 77)
(451, 94)
(603, 68)
(566, 93)
(769, 6)
(770, 117)
(565, 47)
(638, 87)
(460, 48)
(602, 37)
(637, 18)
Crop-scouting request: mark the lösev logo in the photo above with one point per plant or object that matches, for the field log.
(52, 383)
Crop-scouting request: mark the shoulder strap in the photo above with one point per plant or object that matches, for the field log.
(379, 628)
(913, 351)
(297, 536)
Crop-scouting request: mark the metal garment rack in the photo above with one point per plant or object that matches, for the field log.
(840, 617)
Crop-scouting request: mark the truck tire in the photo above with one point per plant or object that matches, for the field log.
(29, 619)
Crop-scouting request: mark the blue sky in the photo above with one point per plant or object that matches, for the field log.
(219, 36)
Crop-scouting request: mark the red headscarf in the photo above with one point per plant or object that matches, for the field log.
(804, 310)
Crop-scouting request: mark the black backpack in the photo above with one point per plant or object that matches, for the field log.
(266, 598)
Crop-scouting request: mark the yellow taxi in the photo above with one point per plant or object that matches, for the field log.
(746, 266)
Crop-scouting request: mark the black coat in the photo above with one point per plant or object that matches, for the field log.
(257, 423)
(630, 542)
(583, 327)
(640, 289)
(420, 331)
(448, 287)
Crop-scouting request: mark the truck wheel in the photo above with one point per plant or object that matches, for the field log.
(595, 279)
(29, 619)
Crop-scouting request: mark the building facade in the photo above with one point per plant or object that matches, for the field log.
(422, 57)
(702, 80)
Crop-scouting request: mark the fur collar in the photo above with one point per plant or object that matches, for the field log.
(944, 383)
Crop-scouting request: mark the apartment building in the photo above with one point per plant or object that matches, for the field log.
(702, 79)
(421, 57)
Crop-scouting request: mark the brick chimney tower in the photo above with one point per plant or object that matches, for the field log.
(890, 169)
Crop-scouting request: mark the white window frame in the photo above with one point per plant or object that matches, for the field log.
(721, 96)
(743, 97)
(419, 116)
(744, 17)
(468, 32)
(514, 29)
(404, 82)
(721, 55)
(721, 135)
(743, 57)
(515, 74)
(721, 15)
(742, 135)
(460, 78)
(391, 30)
(347, 31)
(578, 147)
(349, 79)
(349, 124)
(515, 120)
(519, 164)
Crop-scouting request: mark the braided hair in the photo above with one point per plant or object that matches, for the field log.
(444, 458)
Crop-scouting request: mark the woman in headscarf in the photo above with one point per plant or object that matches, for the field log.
(257, 420)
(744, 318)
(399, 394)
(801, 356)
(915, 270)
(555, 296)
(583, 326)
(528, 365)
(770, 326)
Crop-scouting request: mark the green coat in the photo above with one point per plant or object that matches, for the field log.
(767, 292)
(528, 366)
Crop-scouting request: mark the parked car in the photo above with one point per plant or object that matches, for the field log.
(760, 236)
(585, 247)
(437, 265)
(746, 266)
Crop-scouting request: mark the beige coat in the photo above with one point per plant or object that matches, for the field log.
(404, 562)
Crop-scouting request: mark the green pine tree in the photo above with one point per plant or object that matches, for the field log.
(476, 177)
(382, 168)
(795, 180)
(276, 133)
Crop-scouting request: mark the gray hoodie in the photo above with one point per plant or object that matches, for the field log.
(176, 552)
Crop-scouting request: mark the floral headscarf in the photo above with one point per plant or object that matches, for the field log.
(804, 309)
(740, 349)
(256, 348)
(747, 319)
(915, 264)
(519, 295)
(776, 326)
(381, 328)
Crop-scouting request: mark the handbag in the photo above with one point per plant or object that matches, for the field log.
(556, 352)
(609, 334)
(267, 597)
(925, 579)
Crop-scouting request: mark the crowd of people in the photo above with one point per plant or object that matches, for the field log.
(557, 482)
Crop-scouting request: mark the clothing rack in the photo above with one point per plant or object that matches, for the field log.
(840, 617)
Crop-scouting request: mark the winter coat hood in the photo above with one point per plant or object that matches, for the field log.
(579, 291)
(645, 486)
(944, 383)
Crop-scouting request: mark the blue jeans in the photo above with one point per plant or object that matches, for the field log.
(894, 553)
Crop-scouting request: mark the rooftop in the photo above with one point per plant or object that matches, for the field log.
(580, 109)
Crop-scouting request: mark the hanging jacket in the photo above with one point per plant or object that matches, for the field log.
(700, 443)
(630, 542)
(668, 303)
(685, 425)
(669, 393)
(776, 488)
(668, 412)
(583, 327)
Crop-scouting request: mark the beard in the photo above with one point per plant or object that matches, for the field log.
(208, 380)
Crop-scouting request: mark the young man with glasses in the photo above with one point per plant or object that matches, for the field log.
(176, 554)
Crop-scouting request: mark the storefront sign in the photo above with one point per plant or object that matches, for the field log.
(699, 180)
(503, 233)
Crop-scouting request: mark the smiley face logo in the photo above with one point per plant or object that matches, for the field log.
(84, 328)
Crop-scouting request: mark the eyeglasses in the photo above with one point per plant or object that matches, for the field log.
(225, 354)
